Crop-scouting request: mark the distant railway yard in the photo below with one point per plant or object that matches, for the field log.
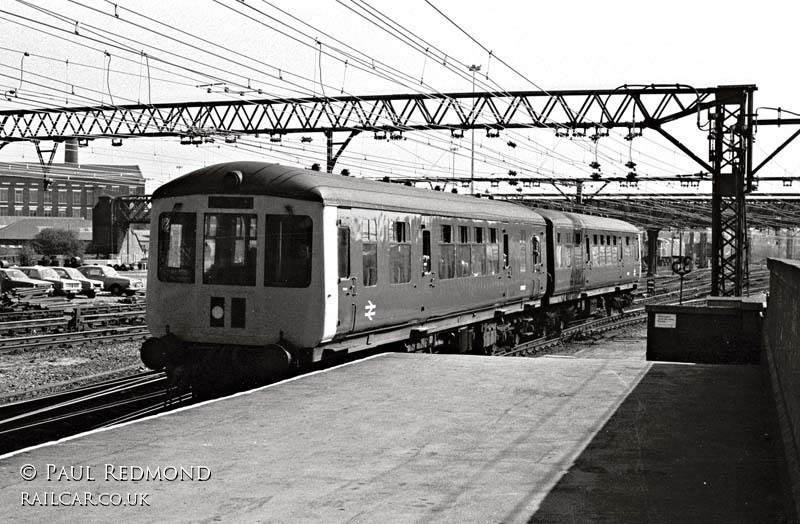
(71, 366)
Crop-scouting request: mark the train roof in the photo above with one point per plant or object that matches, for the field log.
(563, 218)
(259, 178)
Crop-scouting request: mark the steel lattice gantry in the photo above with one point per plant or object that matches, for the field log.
(730, 139)
(730, 151)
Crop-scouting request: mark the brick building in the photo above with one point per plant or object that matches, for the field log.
(29, 200)
(72, 189)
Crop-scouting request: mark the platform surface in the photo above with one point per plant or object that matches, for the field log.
(433, 439)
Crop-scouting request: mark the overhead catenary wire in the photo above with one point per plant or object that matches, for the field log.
(394, 144)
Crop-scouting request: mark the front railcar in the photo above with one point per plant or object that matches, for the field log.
(235, 274)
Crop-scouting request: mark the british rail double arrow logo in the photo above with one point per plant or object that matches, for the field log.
(369, 309)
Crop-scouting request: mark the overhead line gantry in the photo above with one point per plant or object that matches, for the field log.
(726, 114)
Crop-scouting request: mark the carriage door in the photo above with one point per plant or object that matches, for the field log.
(508, 270)
(369, 272)
(537, 261)
(347, 282)
(429, 278)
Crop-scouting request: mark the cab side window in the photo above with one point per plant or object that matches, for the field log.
(343, 248)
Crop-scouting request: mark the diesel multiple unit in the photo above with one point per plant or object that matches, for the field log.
(256, 267)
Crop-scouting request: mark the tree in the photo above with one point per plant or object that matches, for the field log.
(27, 256)
(51, 242)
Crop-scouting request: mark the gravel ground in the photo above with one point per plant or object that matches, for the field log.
(34, 372)
(627, 343)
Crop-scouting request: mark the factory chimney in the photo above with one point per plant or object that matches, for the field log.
(71, 151)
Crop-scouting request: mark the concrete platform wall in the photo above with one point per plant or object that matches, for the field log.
(781, 342)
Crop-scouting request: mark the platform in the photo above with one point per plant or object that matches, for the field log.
(436, 439)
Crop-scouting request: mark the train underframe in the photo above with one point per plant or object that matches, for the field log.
(506, 331)
(214, 369)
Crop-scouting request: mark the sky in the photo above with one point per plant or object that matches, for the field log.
(87, 52)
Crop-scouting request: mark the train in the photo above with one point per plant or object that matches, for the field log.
(260, 268)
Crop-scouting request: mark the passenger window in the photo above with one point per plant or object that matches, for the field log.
(343, 243)
(463, 257)
(493, 258)
(463, 234)
(400, 254)
(288, 251)
(447, 234)
(176, 247)
(369, 262)
(369, 251)
(478, 254)
(447, 253)
(229, 249)
(398, 232)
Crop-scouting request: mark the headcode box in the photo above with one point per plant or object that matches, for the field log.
(725, 331)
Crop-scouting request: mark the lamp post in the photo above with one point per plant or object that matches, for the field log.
(473, 68)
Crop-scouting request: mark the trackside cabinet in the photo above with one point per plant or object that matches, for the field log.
(725, 331)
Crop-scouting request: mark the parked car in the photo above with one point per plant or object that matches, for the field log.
(112, 281)
(89, 287)
(62, 286)
(13, 278)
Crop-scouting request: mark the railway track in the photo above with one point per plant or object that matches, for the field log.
(637, 315)
(33, 421)
(68, 324)
(28, 422)
(108, 334)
